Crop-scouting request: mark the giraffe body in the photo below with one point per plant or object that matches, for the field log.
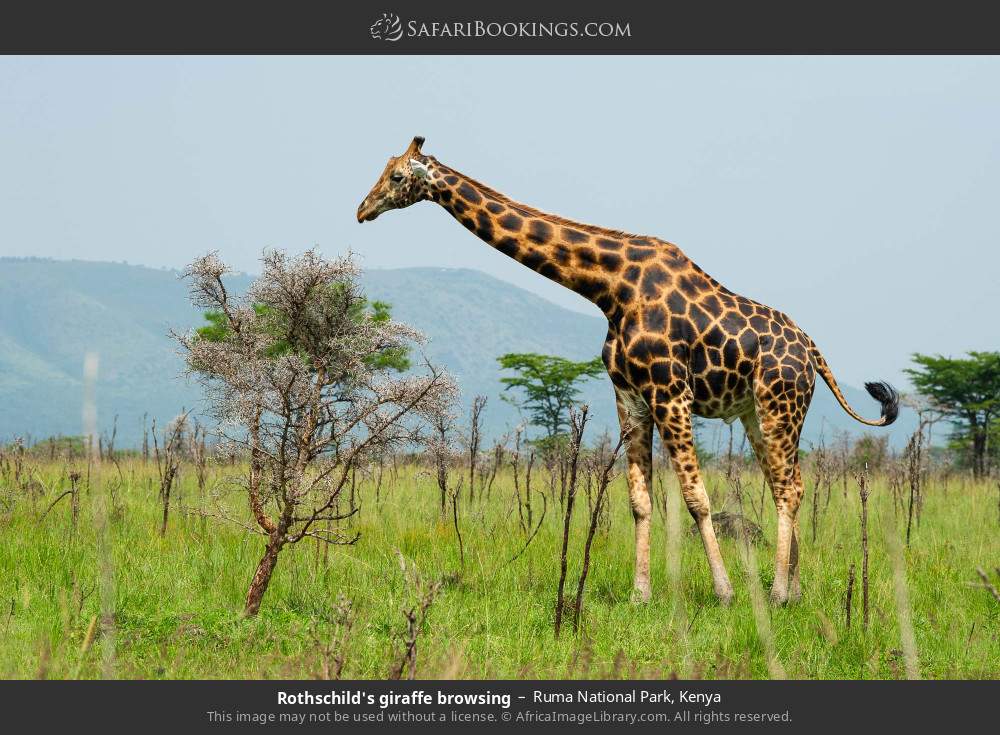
(678, 344)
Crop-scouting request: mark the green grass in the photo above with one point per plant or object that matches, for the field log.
(178, 600)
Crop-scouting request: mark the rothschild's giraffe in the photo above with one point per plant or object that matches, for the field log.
(679, 343)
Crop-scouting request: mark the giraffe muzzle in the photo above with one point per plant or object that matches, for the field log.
(367, 213)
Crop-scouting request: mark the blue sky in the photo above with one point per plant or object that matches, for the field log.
(858, 194)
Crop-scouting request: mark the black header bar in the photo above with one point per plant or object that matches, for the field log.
(512, 26)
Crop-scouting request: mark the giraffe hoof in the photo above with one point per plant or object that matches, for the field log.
(725, 596)
(779, 597)
(640, 595)
(794, 595)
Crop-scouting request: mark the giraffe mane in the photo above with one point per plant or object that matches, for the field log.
(535, 212)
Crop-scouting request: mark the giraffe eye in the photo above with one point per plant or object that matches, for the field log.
(396, 178)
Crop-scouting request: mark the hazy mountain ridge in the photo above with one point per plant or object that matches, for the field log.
(55, 311)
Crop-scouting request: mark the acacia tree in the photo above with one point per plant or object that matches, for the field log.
(967, 390)
(295, 375)
(550, 386)
(395, 357)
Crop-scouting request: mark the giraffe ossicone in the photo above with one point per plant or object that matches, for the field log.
(678, 344)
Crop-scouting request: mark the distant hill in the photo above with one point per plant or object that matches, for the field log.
(55, 311)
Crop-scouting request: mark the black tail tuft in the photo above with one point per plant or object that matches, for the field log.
(888, 397)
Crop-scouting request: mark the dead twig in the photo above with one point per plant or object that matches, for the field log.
(578, 422)
(987, 583)
(415, 616)
(863, 492)
(848, 597)
(602, 489)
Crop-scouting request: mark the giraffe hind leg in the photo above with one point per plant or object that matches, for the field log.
(794, 584)
(636, 422)
(776, 448)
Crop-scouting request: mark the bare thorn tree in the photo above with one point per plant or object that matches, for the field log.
(416, 615)
(578, 422)
(168, 461)
(863, 492)
(456, 497)
(498, 452)
(441, 445)
(475, 421)
(295, 375)
(199, 454)
(332, 646)
(848, 597)
(602, 467)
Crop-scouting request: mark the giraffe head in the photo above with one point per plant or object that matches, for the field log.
(403, 182)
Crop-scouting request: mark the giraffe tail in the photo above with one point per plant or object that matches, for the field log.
(882, 392)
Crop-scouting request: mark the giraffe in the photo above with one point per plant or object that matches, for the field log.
(678, 344)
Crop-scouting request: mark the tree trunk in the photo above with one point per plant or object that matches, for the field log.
(262, 578)
(978, 445)
(979, 453)
(168, 481)
(442, 480)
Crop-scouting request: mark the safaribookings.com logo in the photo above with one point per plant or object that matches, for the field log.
(390, 28)
(387, 28)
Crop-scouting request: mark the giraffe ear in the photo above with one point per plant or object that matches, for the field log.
(415, 144)
(419, 168)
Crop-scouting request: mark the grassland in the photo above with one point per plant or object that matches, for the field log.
(177, 600)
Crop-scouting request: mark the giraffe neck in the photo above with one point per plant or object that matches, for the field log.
(584, 258)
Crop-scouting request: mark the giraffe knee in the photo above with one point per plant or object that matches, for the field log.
(642, 508)
(697, 508)
(697, 501)
(787, 498)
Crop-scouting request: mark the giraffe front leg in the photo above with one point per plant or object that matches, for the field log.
(675, 428)
(642, 510)
(638, 426)
(700, 509)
